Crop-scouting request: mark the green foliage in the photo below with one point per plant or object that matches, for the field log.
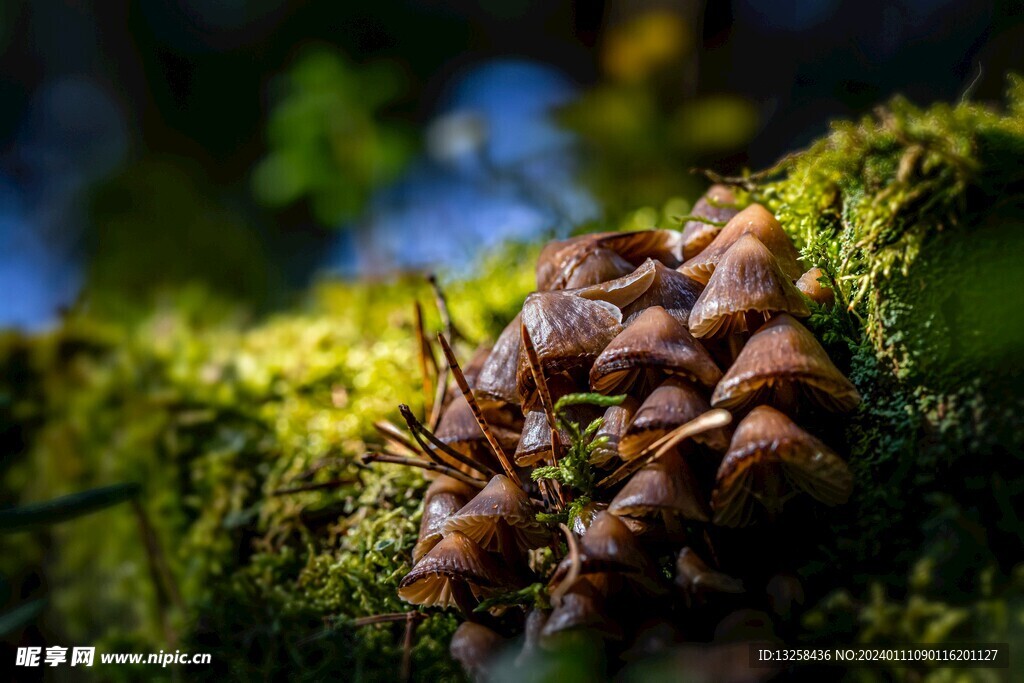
(327, 142)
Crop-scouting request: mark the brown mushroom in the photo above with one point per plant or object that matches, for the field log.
(717, 204)
(781, 362)
(583, 607)
(699, 582)
(608, 545)
(666, 490)
(814, 289)
(591, 266)
(623, 291)
(460, 430)
(496, 383)
(756, 220)
(454, 573)
(669, 289)
(634, 247)
(535, 441)
(653, 341)
(474, 647)
(769, 461)
(443, 498)
(567, 331)
(613, 426)
(674, 402)
(745, 289)
(499, 518)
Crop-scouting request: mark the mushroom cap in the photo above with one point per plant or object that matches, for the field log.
(583, 607)
(456, 559)
(770, 460)
(812, 287)
(624, 290)
(665, 487)
(567, 331)
(460, 430)
(674, 402)
(748, 279)
(497, 379)
(654, 340)
(474, 647)
(669, 289)
(718, 204)
(500, 507)
(535, 442)
(591, 266)
(698, 581)
(754, 219)
(585, 515)
(634, 247)
(607, 546)
(613, 426)
(436, 511)
(780, 358)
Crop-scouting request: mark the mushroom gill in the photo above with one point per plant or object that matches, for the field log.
(769, 461)
(653, 341)
(451, 568)
(781, 362)
(460, 430)
(499, 518)
(755, 220)
(665, 489)
(444, 497)
(746, 287)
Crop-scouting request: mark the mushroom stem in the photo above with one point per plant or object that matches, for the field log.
(424, 352)
(467, 392)
(463, 597)
(574, 568)
(419, 432)
(392, 433)
(713, 419)
(367, 458)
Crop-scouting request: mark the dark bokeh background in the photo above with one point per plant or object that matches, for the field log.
(131, 132)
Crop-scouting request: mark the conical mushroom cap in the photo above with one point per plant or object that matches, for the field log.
(770, 460)
(669, 289)
(445, 484)
(655, 340)
(781, 360)
(583, 607)
(474, 646)
(613, 426)
(756, 220)
(718, 204)
(501, 513)
(812, 287)
(455, 560)
(698, 581)
(436, 511)
(748, 280)
(624, 290)
(674, 402)
(590, 267)
(608, 545)
(535, 442)
(497, 378)
(460, 430)
(634, 247)
(665, 487)
(567, 331)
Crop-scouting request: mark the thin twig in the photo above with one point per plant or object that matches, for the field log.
(574, 566)
(452, 332)
(713, 419)
(386, 618)
(437, 407)
(549, 412)
(164, 583)
(367, 458)
(319, 486)
(467, 392)
(419, 432)
(424, 351)
(392, 433)
(410, 630)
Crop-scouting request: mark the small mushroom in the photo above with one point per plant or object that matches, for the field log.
(535, 441)
(591, 267)
(535, 620)
(608, 546)
(585, 515)
(474, 647)
(583, 607)
(622, 291)
(785, 594)
(747, 287)
(769, 461)
(567, 331)
(781, 362)
(609, 434)
(496, 382)
(653, 341)
(634, 247)
(665, 489)
(814, 289)
(455, 572)
(758, 221)
(718, 204)
(443, 498)
(500, 518)
(669, 289)
(460, 430)
(674, 402)
(699, 582)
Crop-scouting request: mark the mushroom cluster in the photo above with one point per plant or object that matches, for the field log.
(637, 415)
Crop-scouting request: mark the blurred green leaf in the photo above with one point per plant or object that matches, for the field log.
(65, 508)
